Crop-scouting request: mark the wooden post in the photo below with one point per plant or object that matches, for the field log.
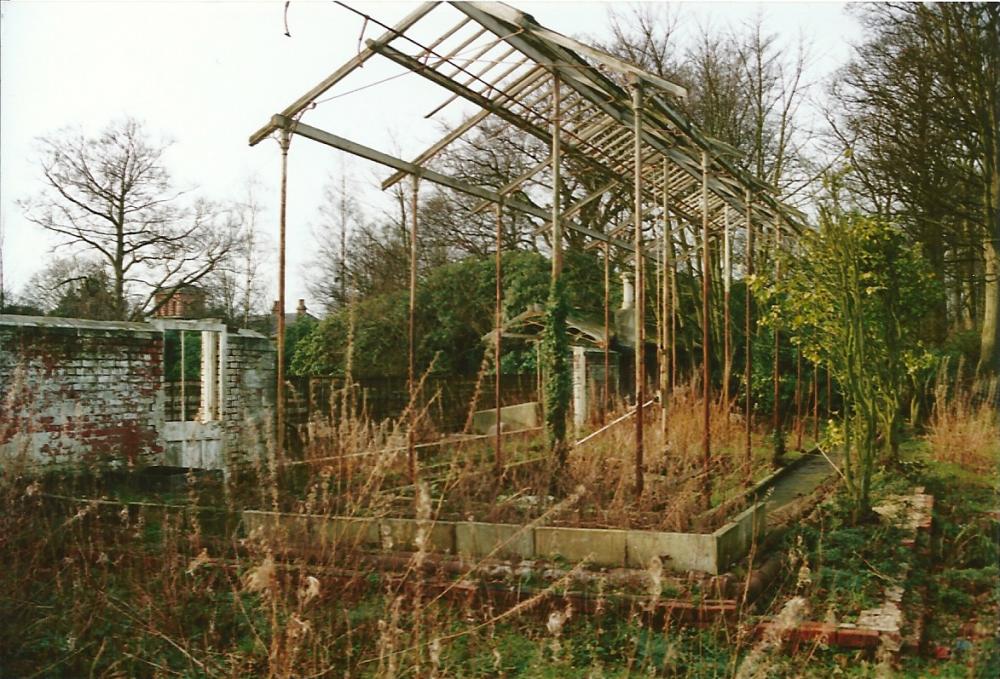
(280, 391)
(706, 273)
(497, 450)
(411, 381)
(640, 289)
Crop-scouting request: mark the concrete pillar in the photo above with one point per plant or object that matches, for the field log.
(209, 377)
(579, 387)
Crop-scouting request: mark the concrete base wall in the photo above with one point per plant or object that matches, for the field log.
(512, 418)
(703, 552)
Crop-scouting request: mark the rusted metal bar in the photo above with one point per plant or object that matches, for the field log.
(556, 161)
(183, 381)
(282, 211)
(815, 390)
(798, 399)
(498, 452)
(353, 63)
(607, 331)
(777, 423)
(748, 329)
(666, 309)
(411, 453)
(640, 290)
(727, 273)
(706, 273)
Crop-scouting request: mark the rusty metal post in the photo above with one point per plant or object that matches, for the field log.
(777, 423)
(829, 393)
(183, 381)
(282, 210)
(706, 286)
(557, 255)
(411, 452)
(748, 336)
(498, 452)
(640, 286)
(798, 399)
(726, 284)
(815, 372)
(665, 308)
(607, 330)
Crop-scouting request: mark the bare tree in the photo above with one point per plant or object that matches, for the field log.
(112, 196)
(339, 218)
(237, 286)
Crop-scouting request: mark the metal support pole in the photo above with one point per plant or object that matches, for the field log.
(411, 452)
(727, 273)
(607, 331)
(829, 393)
(498, 452)
(665, 312)
(777, 424)
(798, 399)
(706, 273)
(748, 337)
(815, 373)
(280, 392)
(557, 258)
(183, 382)
(640, 287)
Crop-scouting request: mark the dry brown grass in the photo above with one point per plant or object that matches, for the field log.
(964, 427)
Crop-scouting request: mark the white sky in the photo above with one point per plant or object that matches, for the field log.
(206, 75)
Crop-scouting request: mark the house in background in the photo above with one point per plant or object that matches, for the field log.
(186, 301)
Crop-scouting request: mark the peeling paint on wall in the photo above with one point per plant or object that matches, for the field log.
(75, 391)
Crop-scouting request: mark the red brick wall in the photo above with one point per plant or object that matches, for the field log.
(81, 391)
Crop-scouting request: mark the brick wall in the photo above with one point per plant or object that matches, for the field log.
(249, 393)
(82, 391)
(79, 390)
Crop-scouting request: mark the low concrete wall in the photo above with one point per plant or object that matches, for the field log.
(733, 540)
(512, 418)
(677, 551)
(611, 548)
(601, 547)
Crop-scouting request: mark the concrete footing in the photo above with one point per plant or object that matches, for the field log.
(609, 548)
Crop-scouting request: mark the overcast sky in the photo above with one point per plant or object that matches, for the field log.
(206, 75)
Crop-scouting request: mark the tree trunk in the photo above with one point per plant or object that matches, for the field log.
(989, 352)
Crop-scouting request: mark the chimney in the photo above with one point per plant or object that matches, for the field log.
(275, 310)
(300, 310)
(628, 294)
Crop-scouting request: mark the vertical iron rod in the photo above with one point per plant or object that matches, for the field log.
(748, 336)
(777, 423)
(411, 451)
(798, 399)
(280, 392)
(557, 258)
(665, 308)
(726, 283)
(498, 452)
(607, 331)
(183, 382)
(815, 373)
(640, 287)
(706, 273)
